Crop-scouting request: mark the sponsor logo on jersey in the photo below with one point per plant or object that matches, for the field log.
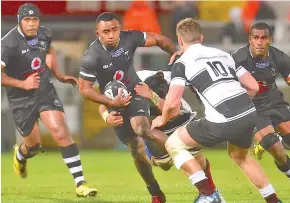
(36, 63)
(25, 51)
(119, 75)
(262, 65)
(107, 66)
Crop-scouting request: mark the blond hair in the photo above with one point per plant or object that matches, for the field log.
(189, 30)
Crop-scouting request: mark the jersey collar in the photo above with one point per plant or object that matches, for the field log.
(20, 32)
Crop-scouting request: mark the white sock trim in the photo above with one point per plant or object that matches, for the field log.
(19, 156)
(72, 159)
(78, 179)
(197, 177)
(267, 191)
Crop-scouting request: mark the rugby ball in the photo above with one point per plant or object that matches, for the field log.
(113, 88)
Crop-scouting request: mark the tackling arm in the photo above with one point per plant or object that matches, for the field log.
(172, 103)
(161, 41)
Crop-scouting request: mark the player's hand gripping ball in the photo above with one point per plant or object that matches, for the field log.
(118, 93)
(114, 88)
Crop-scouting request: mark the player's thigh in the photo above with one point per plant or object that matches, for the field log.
(151, 147)
(205, 133)
(52, 113)
(237, 153)
(284, 125)
(125, 133)
(25, 116)
(240, 132)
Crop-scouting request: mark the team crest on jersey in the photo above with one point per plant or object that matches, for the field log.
(119, 75)
(274, 72)
(36, 63)
(127, 55)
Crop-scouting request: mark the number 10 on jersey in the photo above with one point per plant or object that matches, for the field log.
(217, 70)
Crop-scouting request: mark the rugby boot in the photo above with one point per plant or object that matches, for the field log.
(85, 191)
(19, 166)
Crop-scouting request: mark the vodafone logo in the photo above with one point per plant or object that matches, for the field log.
(119, 75)
(36, 63)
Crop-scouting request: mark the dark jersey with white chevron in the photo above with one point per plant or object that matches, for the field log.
(265, 72)
(23, 57)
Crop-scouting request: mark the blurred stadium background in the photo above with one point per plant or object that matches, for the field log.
(225, 26)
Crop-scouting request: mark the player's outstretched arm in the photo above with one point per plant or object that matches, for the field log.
(32, 82)
(142, 89)
(161, 41)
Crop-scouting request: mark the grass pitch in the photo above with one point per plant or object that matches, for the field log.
(114, 175)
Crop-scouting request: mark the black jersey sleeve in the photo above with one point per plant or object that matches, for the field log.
(178, 74)
(284, 67)
(89, 66)
(6, 52)
(138, 37)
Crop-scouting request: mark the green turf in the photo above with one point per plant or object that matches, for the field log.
(114, 175)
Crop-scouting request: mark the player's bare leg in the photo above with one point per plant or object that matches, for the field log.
(177, 146)
(141, 127)
(253, 171)
(143, 165)
(55, 122)
(28, 149)
(284, 128)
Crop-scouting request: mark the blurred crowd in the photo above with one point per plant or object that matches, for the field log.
(237, 16)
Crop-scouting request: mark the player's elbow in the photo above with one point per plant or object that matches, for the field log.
(83, 90)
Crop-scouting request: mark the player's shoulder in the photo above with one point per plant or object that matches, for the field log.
(44, 32)
(10, 39)
(241, 54)
(93, 52)
(279, 55)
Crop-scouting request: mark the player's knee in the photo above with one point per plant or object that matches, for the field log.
(61, 135)
(32, 151)
(269, 140)
(177, 149)
(238, 157)
(143, 130)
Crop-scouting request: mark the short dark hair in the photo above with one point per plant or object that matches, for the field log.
(106, 16)
(261, 26)
(158, 84)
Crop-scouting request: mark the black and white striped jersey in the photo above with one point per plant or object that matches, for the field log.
(214, 76)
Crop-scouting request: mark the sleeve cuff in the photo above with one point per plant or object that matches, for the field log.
(240, 71)
(87, 76)
(3, 63)
(178, 81)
